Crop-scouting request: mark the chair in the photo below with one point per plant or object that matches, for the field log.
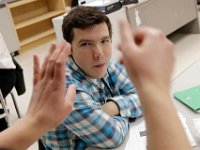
(15, 104)
(3, 103)
(10, 77)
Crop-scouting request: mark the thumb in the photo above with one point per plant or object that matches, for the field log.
(128, 44)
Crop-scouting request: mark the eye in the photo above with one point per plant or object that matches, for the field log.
(85, 44)
(105, 41)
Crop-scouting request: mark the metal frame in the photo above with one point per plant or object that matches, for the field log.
(3, 103)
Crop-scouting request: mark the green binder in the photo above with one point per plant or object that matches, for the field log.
(190, 97)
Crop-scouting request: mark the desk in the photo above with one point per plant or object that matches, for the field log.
(188, 78)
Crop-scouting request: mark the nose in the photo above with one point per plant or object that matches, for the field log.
(98, 52)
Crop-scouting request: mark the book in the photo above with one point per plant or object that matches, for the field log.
(190, 97)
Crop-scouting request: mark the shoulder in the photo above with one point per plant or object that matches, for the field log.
(76, 78)
(78, 82)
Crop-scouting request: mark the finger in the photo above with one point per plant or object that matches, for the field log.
(52, 60)
(121, 60)
(127, 42)
(70, 97)
(64, 53)
(120, 57)
(51, 50)
(125, 31)
(147, 34)
(59, 69)
(36, 70)
(128, 45)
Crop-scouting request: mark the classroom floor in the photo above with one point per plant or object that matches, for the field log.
(187, 51)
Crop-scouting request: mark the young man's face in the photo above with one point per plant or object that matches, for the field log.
(91, 49)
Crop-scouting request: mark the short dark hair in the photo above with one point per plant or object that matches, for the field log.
(83, 17)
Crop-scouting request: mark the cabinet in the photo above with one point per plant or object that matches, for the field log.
(166, 15)
(32, 18)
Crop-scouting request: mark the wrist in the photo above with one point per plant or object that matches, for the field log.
(152, 87)
(152, 94)
(24, 133)
(38, 125)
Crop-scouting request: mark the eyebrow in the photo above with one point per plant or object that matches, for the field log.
(86, 40)
(106, 37)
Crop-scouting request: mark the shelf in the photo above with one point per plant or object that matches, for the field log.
(32, 20)
(20, 3)
(36, 37)
(38, 19)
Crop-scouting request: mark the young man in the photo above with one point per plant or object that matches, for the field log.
(105, 99)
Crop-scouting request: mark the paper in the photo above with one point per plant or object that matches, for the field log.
(197, 126)
(187, 131)
(138, 136)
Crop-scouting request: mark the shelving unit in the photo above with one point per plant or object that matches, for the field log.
(32, 19)
(20, 3)
(36, 37)
(68, 2)
(37, 19)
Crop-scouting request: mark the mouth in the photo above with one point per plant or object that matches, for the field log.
(99, 65)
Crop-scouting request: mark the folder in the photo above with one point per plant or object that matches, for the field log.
(190, 97)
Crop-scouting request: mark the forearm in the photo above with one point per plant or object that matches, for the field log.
(113, 133)
(22, 134)
(110, 108)
(113, 129)
(161, 120)
(94, 125)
